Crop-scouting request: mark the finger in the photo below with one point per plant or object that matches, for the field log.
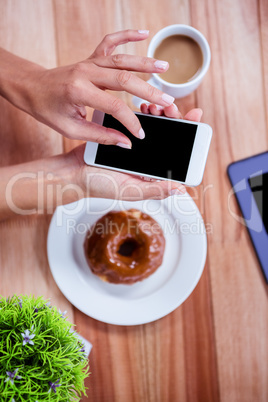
(111, 41)
(132, 63)
(156, 110)
(106, 183)
(173, 112)
(170, 111)
(122, 80)
(114, 106)
(144, 108)
(194, 115)
(135, 189)
(84, 130)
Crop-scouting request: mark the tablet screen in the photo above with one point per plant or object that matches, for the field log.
(259, 188)
(249, 178)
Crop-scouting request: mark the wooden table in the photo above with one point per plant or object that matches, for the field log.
(214, 347)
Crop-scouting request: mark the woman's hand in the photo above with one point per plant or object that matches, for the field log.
(171, 111)
(41, 185)
(58, 97)
(105, 183)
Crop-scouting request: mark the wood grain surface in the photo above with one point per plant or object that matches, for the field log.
(214, 347)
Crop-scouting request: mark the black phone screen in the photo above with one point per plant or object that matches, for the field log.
(165, 151)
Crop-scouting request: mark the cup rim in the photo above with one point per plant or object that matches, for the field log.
(206, 61)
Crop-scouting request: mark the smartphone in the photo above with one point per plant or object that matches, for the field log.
(171, 150)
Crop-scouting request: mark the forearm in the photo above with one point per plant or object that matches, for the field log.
(17, 79)
(37, 187)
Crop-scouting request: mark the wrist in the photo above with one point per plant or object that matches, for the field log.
(38, 187)
(66, 179)
(17, 80)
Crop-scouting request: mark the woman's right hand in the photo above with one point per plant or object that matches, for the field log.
(58, 97)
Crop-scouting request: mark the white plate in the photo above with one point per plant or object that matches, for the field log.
(142, 302)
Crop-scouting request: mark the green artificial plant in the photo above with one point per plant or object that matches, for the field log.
(41, 358)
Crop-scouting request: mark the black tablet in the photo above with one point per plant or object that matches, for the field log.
(249, 178)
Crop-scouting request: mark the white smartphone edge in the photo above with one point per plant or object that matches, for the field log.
(197, 161)
(199, 154)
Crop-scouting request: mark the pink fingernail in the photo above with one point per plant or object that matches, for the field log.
(123, 145)
(141, 134)
(143, 31)
(160, 65)
(168, 99)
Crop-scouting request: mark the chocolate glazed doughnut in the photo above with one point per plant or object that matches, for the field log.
(124, 246)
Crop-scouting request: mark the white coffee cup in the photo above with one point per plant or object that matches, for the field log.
(178, 90)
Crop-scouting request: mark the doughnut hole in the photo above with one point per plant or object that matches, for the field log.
(128, 247)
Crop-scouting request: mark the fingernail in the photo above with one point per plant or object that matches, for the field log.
(158, 107)
(123, 145)
(201, 111)
(141, 134)
(177, 110)
(160, 64)
(168, 99)
(177, 191)
(143, 31)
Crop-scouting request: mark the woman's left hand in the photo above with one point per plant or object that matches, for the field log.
(105, 183)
